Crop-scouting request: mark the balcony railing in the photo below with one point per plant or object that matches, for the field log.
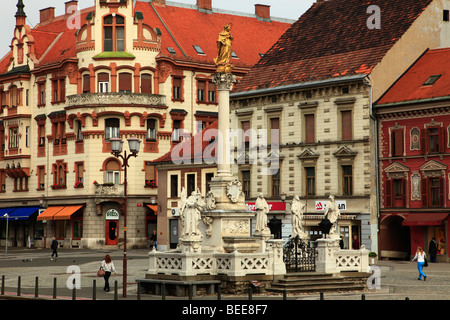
(115, 98)
(109, 190)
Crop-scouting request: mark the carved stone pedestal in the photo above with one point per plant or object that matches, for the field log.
(229, 230)
(191, 244)
(326, 249)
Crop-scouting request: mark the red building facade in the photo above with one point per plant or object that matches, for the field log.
(414, 158)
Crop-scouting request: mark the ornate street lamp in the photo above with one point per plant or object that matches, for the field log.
(116, 147)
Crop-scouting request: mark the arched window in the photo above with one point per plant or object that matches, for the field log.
(103, 82)
(114, 33)
(112, 171)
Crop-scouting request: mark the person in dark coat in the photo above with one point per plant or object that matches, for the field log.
(432, 250)
(54, 247)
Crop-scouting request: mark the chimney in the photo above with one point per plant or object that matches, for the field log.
(205, 4)
(47, 14)
(262, 12)
(69, 4)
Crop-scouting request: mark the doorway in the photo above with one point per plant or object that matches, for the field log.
(112, 227)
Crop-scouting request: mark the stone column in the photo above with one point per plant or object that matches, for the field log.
(224, 83)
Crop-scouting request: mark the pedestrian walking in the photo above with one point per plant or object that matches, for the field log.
(432, 249)
(420, 257)
(54, 247)
(154, 240)
(108, 267)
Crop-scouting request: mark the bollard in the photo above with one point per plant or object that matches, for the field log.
(18, 286)
(219, 292)
(115, 290)
(250, 292)
(74, 291)
(36, 288)
(321, 296)
(3, 286)
(363, 297)
(190, 292)
(54, 288)
(94, 290)
(138, 292)
(163, 291)
(284, 294)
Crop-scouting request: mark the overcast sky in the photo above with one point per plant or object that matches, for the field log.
(291, 9)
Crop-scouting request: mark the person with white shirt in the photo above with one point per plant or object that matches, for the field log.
(420, 256)
(108, 267)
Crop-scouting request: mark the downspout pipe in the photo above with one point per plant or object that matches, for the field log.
(373, 118)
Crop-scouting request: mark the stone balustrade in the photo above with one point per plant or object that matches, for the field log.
(115, 98)
(232, 264)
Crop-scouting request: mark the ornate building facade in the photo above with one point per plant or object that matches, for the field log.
(413, 133)
(316, 86)
(120, 69)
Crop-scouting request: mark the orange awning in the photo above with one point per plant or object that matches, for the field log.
(49, 213)
(66, 212)
(154, 207)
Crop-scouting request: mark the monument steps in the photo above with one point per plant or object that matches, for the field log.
(317, 282)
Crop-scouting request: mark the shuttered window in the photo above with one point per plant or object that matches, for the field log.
(125, 82)
(309, 128)
(275, 131)
(347, 125)
(245, 131)
(397, 143)
(146, 83)
(86, 83)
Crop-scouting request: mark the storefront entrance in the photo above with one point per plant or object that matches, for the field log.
(112, 227)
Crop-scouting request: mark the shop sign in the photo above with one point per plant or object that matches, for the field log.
(112, 214)
(342, 205)
(273, 206)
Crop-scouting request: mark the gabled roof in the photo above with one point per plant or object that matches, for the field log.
(183, 27)
(332, 40)
(412, 87)
(193, 146)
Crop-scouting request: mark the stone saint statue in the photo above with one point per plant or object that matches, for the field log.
(297, 218)
(332, 213)
(224, 50)
(191, 210)
(262, 208)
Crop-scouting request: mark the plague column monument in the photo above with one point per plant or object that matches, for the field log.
(216, 237)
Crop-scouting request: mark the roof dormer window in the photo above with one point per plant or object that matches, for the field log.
(198, 50)
(432, 80)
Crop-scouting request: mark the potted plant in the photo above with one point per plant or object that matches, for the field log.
(373, 258)
(78, 184)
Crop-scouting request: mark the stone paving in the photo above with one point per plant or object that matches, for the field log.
(398, 278)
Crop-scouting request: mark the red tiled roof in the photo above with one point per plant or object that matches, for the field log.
(195, 152)
(191, 27)
(187, 27)
(330, 40)
(59, 36)
(410, 86)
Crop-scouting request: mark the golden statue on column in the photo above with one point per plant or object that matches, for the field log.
(224, 50)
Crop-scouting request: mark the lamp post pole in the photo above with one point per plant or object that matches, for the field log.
(116, 147)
